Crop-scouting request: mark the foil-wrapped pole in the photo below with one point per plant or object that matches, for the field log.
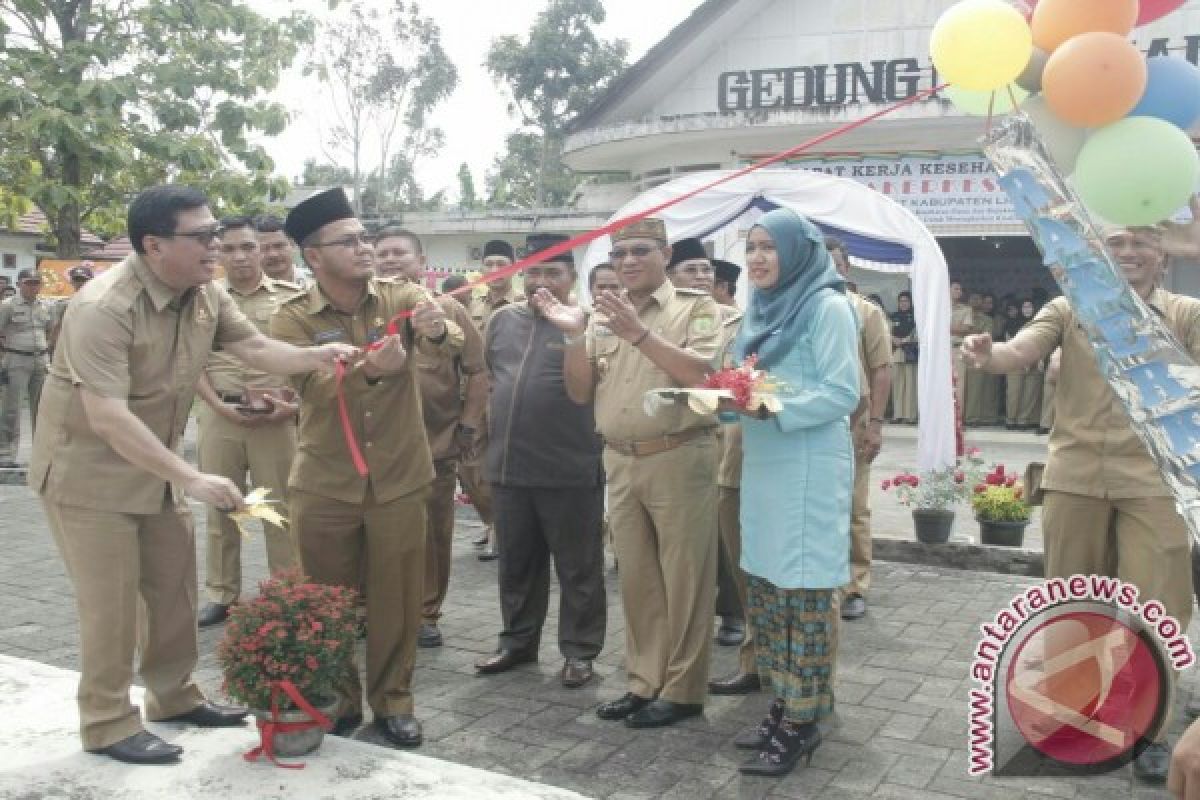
(1154, 376)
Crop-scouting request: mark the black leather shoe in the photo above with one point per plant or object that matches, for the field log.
(787, 745)
(759, 736)
(504, 660)
(209, 715)
(731, 633)
(576, 672)
(622, 707)
(429, 636)
(142, 748)
(402, 730)
(663, 712)
(212, 614)
(741, 683)
(347, 725)
(854, 607)
(1152, 765)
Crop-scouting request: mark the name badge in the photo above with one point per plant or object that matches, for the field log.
(331, 335)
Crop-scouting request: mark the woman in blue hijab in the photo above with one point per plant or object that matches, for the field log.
(796, 480)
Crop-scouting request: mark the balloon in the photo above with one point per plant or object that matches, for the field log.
(1138, 171)
(1056, 21)
(1062, 141)
(1031, 77)
(1172, 92)
(981, 104)
(1094, 79)
(1153, 9)
(980, 44)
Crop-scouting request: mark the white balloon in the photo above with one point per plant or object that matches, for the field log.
(1063, 141)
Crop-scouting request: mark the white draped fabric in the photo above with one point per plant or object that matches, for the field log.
(873, 224)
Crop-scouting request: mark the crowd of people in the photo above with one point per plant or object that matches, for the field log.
(535, 404)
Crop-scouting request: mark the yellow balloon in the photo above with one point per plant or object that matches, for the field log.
(981, 104)
(981, 45)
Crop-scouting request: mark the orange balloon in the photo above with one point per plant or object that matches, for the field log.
(1056, 21)
(1094, 79)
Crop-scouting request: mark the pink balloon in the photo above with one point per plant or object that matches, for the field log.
(1151, 10)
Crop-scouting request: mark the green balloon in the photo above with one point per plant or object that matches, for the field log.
(1137, 171)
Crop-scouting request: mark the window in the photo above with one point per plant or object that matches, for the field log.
(10, 260)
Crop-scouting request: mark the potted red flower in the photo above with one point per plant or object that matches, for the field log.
(286, 650)
(1001, 509)
(932, 494)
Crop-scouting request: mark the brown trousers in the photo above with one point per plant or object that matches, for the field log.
(860, 521)
(439, 539)
(1023, 398)
(663, 511)
(115, 560)
(233, 451)
(1142, 541)
(729, 525)
(904, 392)
(339, 542)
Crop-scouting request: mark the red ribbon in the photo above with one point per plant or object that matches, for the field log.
(586, 238)
(268, 728)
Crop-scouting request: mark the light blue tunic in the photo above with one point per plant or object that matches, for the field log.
(798, 472)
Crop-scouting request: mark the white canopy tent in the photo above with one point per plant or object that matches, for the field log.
(880, 235)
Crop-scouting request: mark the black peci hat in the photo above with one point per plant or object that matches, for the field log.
(316, 212)
(499, 247)
(726, 271)
(686, 250)
(537, 242)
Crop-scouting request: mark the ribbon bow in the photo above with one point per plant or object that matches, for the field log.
(268, 728)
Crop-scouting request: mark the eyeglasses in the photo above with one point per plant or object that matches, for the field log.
(695, 270)
(204, 238)
(351, 241)
(638, 251)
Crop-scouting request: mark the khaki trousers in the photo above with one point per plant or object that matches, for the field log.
(663, 511)
(439, 539)
(1142, 541)
(904, 392)
(26, 374)
(729, 526)
(982, 398)
(860, 522)
(230, 450)
(1023, 398)
(960, 380)
(339, 542)
(115, 560)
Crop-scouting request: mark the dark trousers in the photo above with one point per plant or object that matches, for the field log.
(533, 525)
(729, 603)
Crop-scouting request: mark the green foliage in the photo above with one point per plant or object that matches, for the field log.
(466, 188)
(384, 71)
(107, 97)
(1001, 504)
(552, 77)
(325, 174)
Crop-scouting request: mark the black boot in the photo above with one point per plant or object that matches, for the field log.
(757, 737)
(788, 744)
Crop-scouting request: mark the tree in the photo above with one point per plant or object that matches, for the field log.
(516, 176)
(100, 98)
(466, 188)
(552, 76)
(384, 71)
(325, 174)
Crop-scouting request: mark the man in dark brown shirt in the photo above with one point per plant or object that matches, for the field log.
(543, 464)
(453, 398)
(348, 524)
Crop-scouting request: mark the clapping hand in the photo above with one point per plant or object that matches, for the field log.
(622, 316)
(571, 320)
(1183, 239)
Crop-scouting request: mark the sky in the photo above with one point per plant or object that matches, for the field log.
(475, 118)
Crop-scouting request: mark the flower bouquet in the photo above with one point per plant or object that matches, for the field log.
(283, 655)
(747, 386)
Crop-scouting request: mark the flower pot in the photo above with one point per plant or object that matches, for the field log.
(933, 525)
(298, 743)
(1002, 533)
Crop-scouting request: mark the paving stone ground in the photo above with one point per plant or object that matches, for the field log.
(900, 730)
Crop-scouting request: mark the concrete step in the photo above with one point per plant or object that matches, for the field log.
(42, 758)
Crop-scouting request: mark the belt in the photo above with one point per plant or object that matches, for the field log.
(26, 352)
(659, 444)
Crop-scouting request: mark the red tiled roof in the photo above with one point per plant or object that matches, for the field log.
(115, 250)
(35, 223)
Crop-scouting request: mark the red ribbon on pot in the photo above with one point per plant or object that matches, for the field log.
(268, 728)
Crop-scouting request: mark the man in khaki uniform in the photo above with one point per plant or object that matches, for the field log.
(981, 387)
(25, 324)
(497, 254)
(247, 424)
(661, 470)
(961, 319)
(275, 249)
(875, 355)
(349, 525)
(78, 275)
(1107, 510)
(105, 463)
(454, 393)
